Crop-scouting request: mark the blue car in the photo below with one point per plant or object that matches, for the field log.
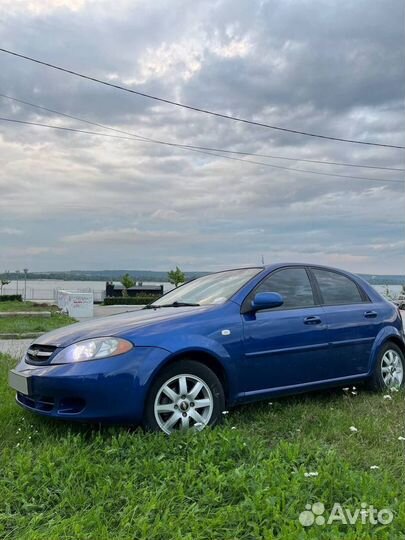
(227, 338)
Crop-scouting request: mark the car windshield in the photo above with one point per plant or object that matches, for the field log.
(212, 289)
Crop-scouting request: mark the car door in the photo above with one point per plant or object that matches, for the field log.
(285, 346)
(353, 321)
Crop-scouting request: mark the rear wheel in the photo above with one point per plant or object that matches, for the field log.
(389, 369)
(186, 395)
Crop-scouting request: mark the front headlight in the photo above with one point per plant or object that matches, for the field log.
(92, 349)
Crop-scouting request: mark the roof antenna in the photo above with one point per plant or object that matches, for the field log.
(262, 260)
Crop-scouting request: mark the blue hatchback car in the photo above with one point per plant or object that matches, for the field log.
(227, 338)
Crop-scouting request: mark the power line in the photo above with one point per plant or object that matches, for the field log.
(134, 135)
(61, 128)
(190, 146)
(192, 108)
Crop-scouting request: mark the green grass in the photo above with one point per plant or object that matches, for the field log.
(21, 325)
(244, 480)
(26, 306)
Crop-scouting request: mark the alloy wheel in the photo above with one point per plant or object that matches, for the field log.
(183, 402)
(392, 370)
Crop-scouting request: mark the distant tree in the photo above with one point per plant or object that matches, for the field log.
(403, 289)
(127, 282)
(3, 282)
(176, 277)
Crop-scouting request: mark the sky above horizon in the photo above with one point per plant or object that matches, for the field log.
(334, 67)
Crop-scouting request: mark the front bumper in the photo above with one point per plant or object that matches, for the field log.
(111, 390)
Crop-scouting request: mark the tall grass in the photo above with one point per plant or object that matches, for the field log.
(247, 479)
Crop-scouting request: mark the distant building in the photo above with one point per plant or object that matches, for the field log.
(114, 290)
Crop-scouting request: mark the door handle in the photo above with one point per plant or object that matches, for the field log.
(370, 314)
(313, 319)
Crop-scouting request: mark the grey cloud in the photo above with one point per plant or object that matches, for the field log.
(323, 66)
(10, 231)
(126, 236)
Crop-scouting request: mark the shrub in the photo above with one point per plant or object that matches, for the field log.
(130, 300)
(11, 298)
(176, 277)
(127, 282)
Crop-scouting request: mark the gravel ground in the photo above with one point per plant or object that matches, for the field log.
(14, 347)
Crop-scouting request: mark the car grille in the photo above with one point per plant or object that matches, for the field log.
(39, 354)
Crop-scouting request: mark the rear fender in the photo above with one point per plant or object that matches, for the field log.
(385, 334)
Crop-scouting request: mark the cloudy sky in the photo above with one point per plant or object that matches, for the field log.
(75, 201)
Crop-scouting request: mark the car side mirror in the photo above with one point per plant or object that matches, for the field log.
(267, 300)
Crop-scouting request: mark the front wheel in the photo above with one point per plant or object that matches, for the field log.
(186, 395)
(389, 369)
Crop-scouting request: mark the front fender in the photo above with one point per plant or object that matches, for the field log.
(196, 342)
(384, 335)
(227, 354)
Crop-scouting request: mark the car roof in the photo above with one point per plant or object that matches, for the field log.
(281, 264)
(276, 265)
(316, 265)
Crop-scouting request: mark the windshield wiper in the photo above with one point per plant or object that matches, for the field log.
(178, 304)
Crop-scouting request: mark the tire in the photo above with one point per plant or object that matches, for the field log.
(389, 369)
(185, 395)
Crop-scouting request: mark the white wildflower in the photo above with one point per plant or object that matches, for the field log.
(374, 467)
(225, 412)
(400, 438)
(353, 429)
(310, 474)
(387, 396)
(233, 427)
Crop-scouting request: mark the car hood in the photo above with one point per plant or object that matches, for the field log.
(115, 324)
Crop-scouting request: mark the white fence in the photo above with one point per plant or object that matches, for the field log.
(45, 290)
(49, 294)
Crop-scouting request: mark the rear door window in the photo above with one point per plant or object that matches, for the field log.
(337, 289)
